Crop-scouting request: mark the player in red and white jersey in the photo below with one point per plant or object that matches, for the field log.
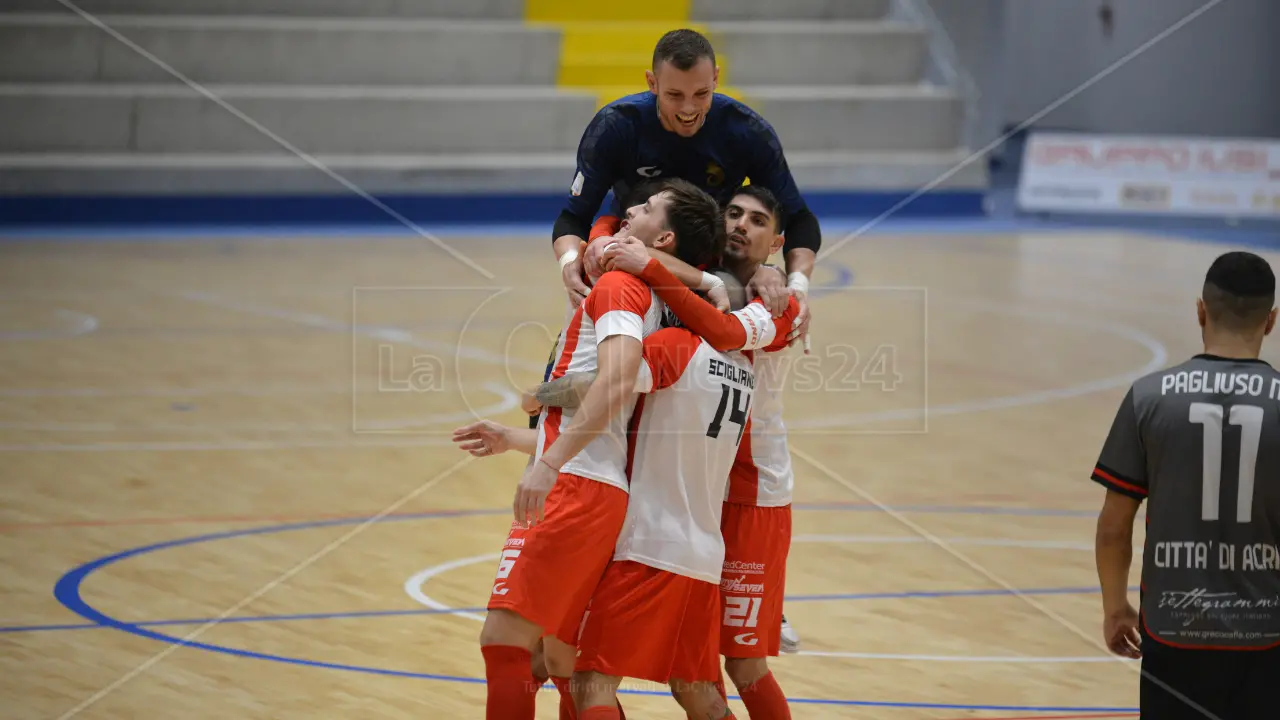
(756, 523)
(572, 500)
(654, 614)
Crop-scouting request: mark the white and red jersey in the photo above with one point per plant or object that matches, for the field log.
(619, 304)
(685, 436)
(762, 472)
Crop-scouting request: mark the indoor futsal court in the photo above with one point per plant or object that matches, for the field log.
(244, 444)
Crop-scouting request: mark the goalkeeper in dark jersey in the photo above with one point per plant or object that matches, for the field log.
(681, 128)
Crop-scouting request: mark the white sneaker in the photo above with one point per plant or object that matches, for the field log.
(790, 640)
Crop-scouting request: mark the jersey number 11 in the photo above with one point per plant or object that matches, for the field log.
(1249, 418)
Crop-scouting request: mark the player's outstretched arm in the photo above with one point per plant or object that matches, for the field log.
(486, 438)
(564, 392)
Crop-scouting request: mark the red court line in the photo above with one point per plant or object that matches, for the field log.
(197, 519)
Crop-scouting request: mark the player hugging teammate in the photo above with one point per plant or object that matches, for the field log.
(653, 522)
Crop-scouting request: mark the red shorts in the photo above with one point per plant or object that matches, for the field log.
(649, 624)
(756, 543)
(548, 572)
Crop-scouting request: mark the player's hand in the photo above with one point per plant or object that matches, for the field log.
(800, 329)
(1120, 629)
(531, 494)
(483, 438)
(768, 285)
(571, 275)
(530, 403)
(719, 296)
(626, 254)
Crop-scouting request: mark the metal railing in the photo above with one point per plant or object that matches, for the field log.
(944, 66)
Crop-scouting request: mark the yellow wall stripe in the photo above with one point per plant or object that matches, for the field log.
(605, 47)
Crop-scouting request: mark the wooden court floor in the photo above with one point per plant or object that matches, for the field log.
(242, 445)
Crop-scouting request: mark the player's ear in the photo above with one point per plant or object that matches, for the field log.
(652, 80)
(665, 240)
(776, 245)
(1200, 312)
(715, 78)
(1271, 322)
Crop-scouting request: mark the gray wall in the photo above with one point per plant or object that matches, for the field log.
(1218, 75)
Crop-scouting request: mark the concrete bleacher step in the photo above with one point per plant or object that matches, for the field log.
(281, 172)
(64, 48)
(365, 119)
(57, 48)
(698, 10)
(493, 9)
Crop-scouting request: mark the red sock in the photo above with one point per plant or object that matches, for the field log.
(567, 710)
(600, 712)
(511, 688)
(764, 700)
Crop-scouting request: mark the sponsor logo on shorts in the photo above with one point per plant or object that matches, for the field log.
(515, 542)
(736, 585)
(747, 638)
(740, 566)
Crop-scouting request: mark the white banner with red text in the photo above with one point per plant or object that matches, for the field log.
(1150, 175)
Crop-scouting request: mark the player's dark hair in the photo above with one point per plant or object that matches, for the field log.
(696, 219)
(766, 198)
(1239, 291)
(683, 49)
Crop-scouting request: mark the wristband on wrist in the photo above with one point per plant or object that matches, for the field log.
(710, 281)
(798, 282)
(567, 258)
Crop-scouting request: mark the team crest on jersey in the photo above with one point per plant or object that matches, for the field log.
(715, 174)
(649, 171)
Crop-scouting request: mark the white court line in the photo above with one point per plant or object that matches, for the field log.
(329, 443)
(507, 400)
(1159, 357)
(415, 584)
(179, 391)
(390, 334)
(80, 324)
(913, 540)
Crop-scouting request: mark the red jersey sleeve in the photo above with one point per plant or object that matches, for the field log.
(617, 306)
(667, 353)
(750, 328)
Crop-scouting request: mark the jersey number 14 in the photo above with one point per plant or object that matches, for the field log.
(737, 415)
(1249, 418)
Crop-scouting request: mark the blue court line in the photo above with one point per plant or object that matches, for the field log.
(951, 509)
(431, 611)
(68, 592)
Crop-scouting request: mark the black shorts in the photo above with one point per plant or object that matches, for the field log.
(1228, 684)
